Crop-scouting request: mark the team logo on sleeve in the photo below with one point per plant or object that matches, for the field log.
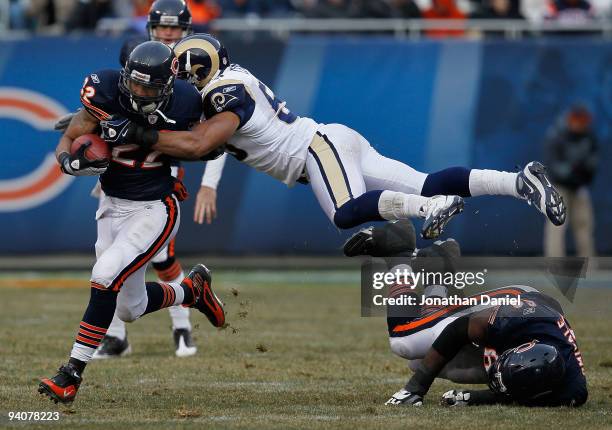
(220, 101)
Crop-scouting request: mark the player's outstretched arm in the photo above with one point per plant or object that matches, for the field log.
(200, 140)
(206, 199)
(454, 398)
(455, 336)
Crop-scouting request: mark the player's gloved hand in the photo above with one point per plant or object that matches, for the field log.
(403, 397)
(455, 398)
(180, 191)
(120, 131)
(214, 154)
(114, 130)
(78, 165)
(63, 123)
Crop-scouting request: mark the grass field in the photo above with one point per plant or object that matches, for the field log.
(297, 354)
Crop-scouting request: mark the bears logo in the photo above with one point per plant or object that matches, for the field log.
(44, 181)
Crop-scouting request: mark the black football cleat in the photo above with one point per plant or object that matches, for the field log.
(112, 347)
(62, 387)
(392, 239)
(200, 282)
(361, 243)
(533, 185)
(183, 343)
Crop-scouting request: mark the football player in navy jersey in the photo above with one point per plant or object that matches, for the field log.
(526, 351)
(140, 211)
(168, 22)
(352, 182)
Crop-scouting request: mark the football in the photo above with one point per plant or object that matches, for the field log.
(98, 150)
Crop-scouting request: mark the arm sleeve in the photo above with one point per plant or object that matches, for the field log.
(486, 397)
(453, 338)
(213, 171)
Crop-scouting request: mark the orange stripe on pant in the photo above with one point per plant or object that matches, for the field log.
(443, 312)
(98, 286)
(142, 259)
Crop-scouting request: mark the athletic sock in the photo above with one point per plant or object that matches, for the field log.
(117, 328)
(96, 320)
(493, 182)
(179, 314)
(161, 295)
(394, 205)
(169, 270)
(454, 181)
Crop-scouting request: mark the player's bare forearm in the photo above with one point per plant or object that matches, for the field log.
(201, 139)
(81, 123)
(461, 332)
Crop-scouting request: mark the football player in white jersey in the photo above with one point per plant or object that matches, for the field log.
(353, 183)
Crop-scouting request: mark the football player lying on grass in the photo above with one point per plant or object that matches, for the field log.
(530, 352)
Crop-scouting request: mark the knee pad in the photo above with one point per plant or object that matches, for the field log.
(126, 313)
(401, 347)
(107, 267)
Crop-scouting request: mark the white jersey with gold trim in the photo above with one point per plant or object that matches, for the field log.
(270, 138)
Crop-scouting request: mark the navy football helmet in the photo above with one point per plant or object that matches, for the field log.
(527, 371)
(169, 13)
(200, 57)
(147, 79)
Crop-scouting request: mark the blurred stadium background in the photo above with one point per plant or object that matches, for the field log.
(435, 83)
(482, 89)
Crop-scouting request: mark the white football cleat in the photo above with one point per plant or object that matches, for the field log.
(184, 345)
(533, 185)
(438, 211)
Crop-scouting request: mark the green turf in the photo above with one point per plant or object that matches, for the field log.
(296, 355)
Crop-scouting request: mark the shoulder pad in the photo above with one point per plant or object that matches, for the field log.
(99, 93)
(228, 96)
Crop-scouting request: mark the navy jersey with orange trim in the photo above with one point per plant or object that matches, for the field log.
(539, 317)
(134, 173)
